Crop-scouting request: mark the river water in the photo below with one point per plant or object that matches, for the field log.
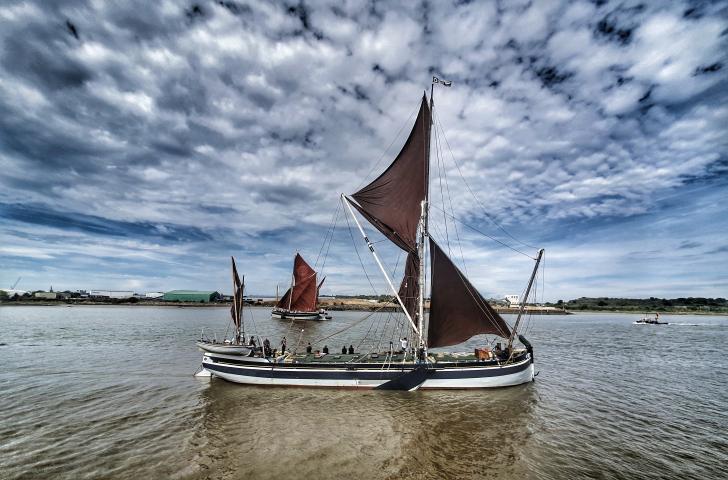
(109, 392)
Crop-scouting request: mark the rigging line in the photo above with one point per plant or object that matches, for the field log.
(347, 326)
(407, 122)
(378, 320)
(385, 329)
(486, 235)
(471, 191)
(364, 337)
(442, 195)
(527, 313)
(326, 237)
(331, 240)
(361, 262)
(252, 319)
(455, 224)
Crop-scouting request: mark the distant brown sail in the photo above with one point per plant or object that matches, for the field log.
(392, 202)
(303, 295)
(457, 310)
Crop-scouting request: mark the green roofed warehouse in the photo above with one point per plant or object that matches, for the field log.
(190, 296)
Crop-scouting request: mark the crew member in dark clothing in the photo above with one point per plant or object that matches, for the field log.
(351, 349)
(326, 349)
(283, 346)
(266, 348)
(252, 342)
(343, 350)
(308, 348)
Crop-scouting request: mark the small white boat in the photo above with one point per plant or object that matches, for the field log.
(650, 320)
(224, 348)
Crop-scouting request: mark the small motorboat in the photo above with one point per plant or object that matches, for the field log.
(646, 320)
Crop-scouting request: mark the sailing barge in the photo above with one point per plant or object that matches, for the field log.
(396, 203)
(235, 346)
(300, 302)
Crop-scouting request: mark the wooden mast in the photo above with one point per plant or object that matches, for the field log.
(425, 207)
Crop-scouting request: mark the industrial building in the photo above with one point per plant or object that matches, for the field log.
(110, 294)
(191, 296)
(46, 295)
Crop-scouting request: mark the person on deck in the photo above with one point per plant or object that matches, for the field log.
(266, 347)
(283, 346)
(403, 343)
(343, 350)
(309, 348)
(252, 342)
(351, 349)
(326, 349)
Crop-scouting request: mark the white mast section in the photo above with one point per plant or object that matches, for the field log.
(381, 267)
(524, 300)
(421, 254)
(293, 284)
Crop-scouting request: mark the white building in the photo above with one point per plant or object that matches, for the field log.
(154, 295)
(513, 300)
(110, 294)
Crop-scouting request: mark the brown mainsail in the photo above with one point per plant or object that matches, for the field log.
(303, 294)
(457, 310)
(392, 202)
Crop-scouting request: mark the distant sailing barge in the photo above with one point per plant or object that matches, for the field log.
(397, 204)
(300, 302)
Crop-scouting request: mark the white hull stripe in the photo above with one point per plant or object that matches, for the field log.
(289, 372)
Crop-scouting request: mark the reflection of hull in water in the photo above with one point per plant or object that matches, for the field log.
(285, 315)
(370, 374)
(225, 349)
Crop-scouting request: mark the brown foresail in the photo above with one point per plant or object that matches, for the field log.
(392, 202)
(409, 289)
(236, 309)
(303, 295)
(457, 310)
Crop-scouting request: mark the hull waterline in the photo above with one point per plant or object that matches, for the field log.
(263, 372)
(282, 315)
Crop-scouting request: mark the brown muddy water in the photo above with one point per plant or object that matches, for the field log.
(108, 392)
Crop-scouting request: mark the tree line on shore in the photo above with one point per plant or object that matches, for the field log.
(681, 304)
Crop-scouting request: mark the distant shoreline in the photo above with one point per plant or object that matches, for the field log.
(348, 304)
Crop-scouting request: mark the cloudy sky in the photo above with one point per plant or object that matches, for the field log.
(143, 143)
